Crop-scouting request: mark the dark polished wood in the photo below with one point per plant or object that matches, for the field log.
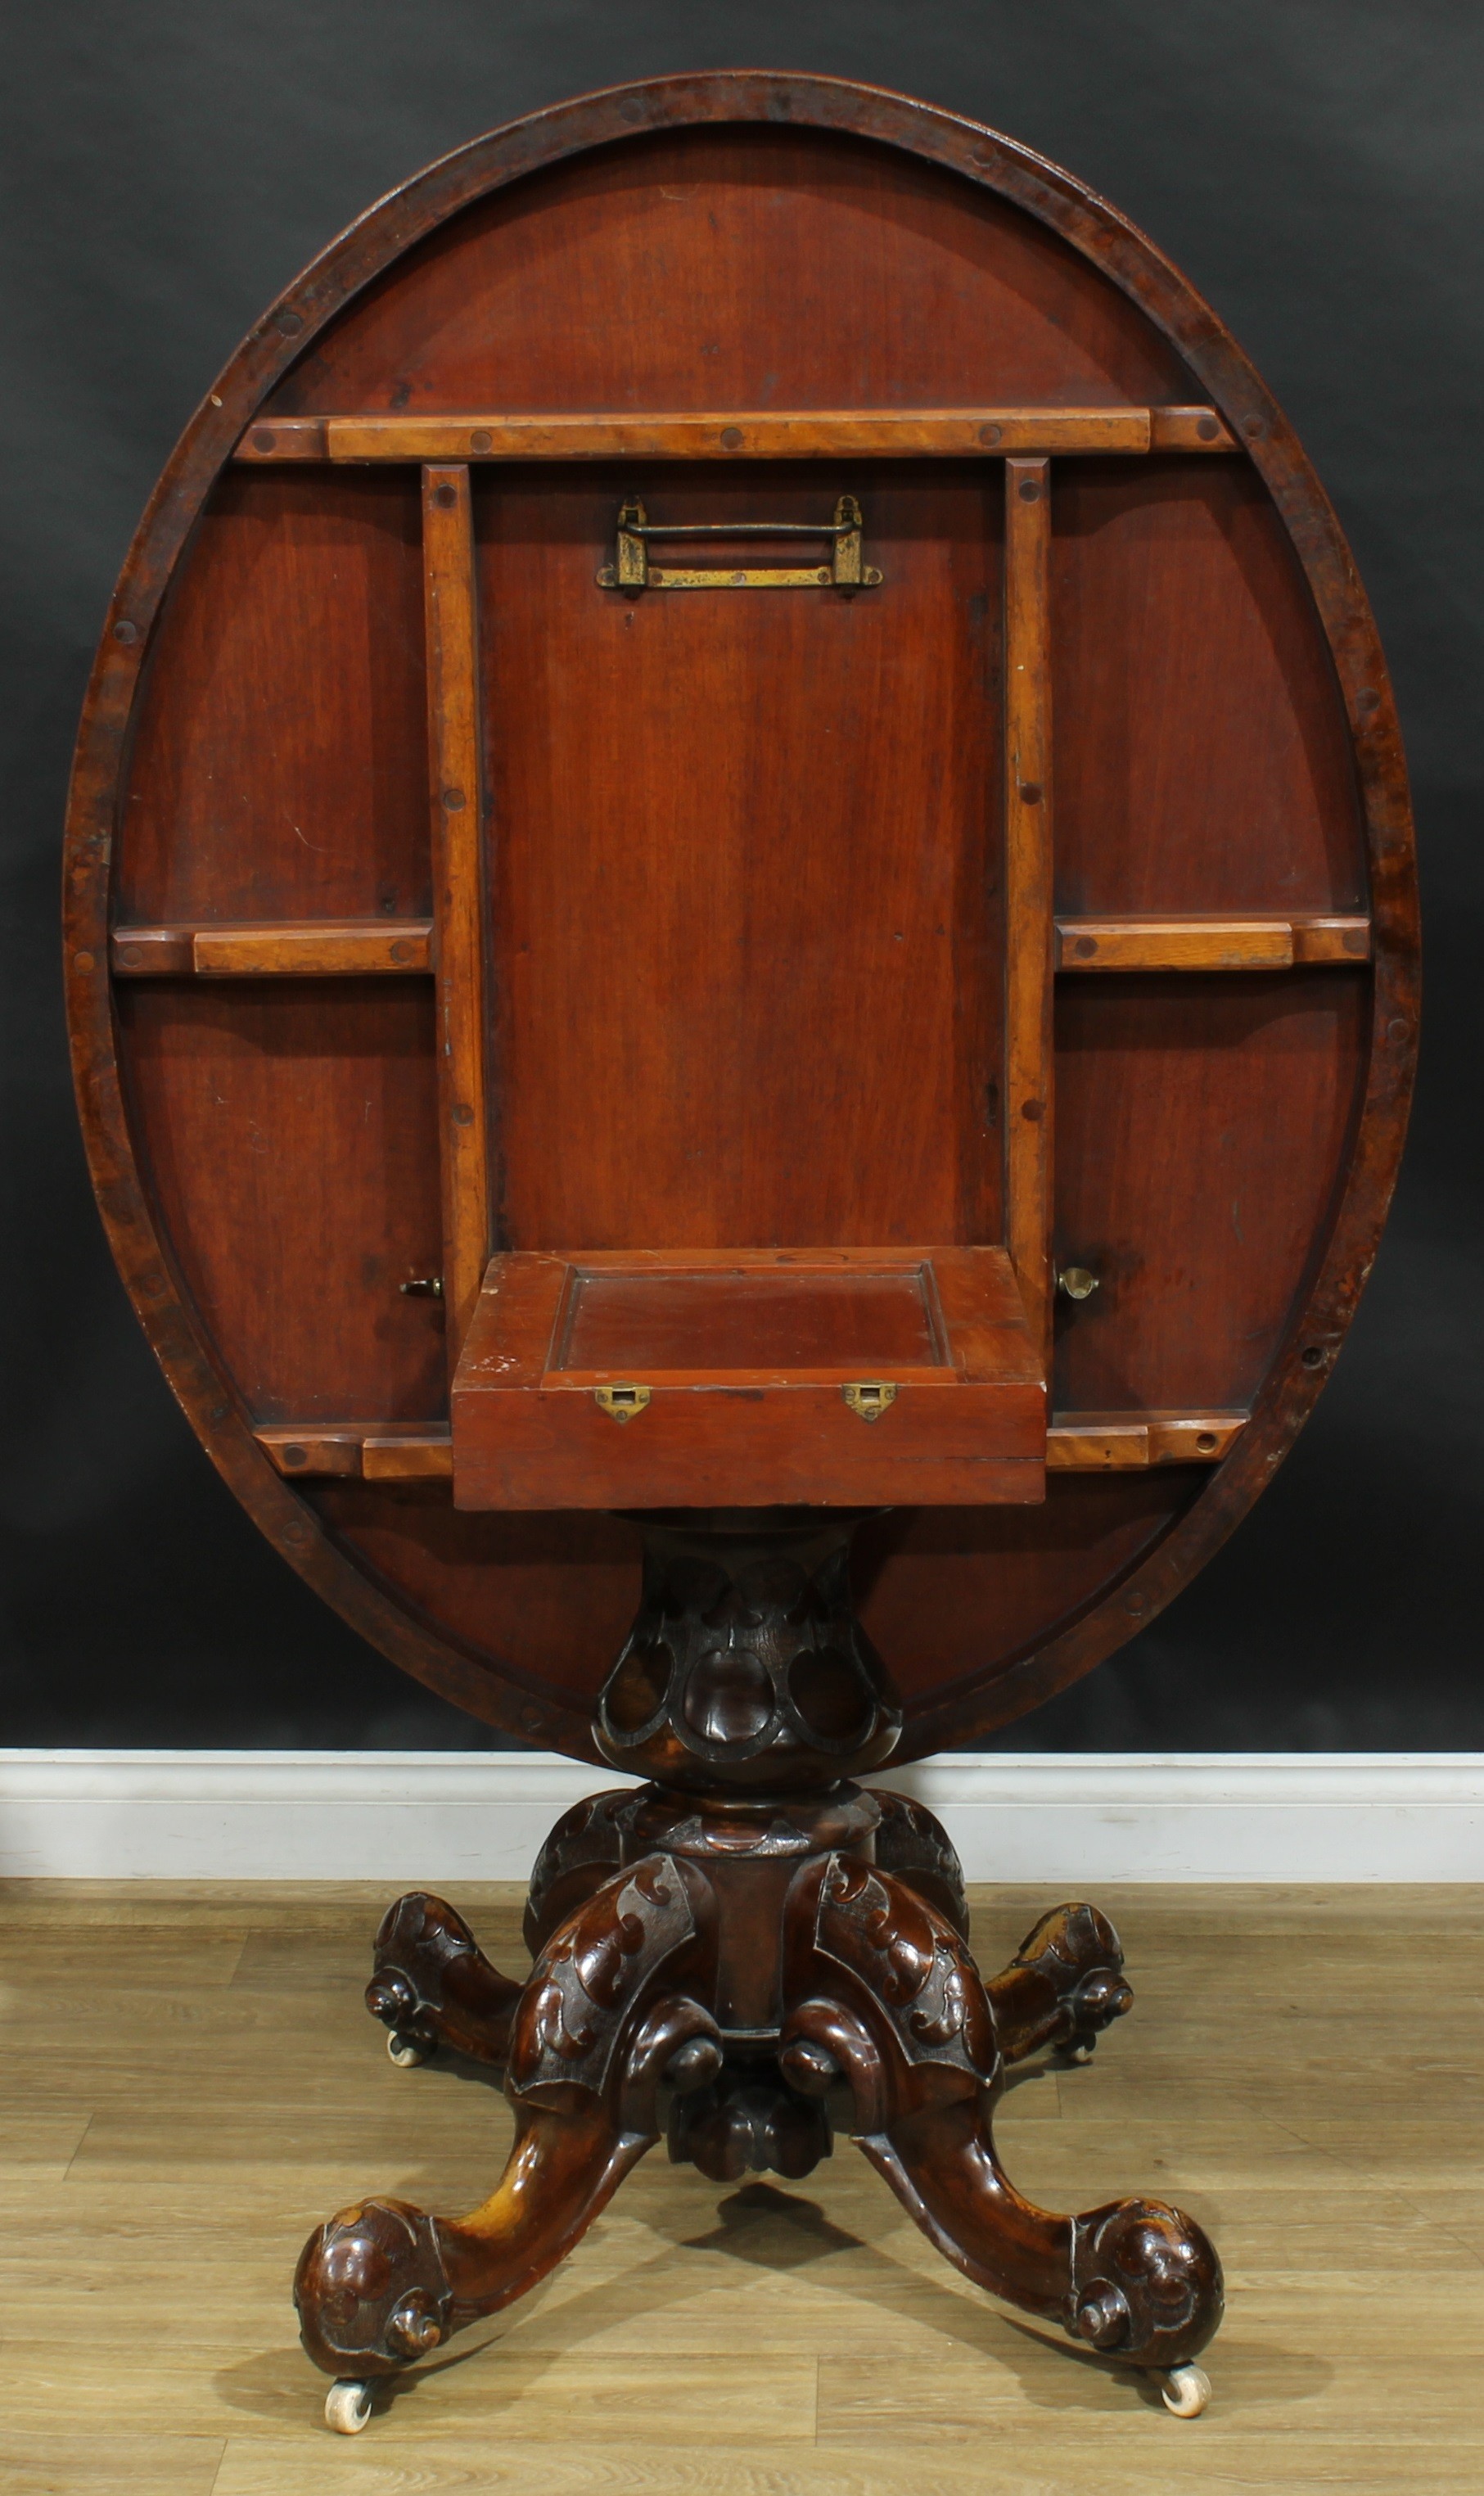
(520, 1078)
(749, 1377)
(737, 1960)
(1224, 751)
(813, 433)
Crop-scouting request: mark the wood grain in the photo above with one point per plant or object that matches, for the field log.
(1203, 764)
(918, 433)
(1111, 1442)
(296, 1258)
(745, 1357)
(286, 948)
(455, 798)
(713, 962)
(1028, 876)
(300, 606)
(1201, 1119)
(1218, 944)
(308, 949)
(1075, 1442)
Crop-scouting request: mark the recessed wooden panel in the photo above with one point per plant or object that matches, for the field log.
(291, 1135)
(692, 267)
(745, 921)
(1202, 762)
(796, 1322)
(1201, 1128)
(280, 769)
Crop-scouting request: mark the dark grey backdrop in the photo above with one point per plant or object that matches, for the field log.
(1315, 166)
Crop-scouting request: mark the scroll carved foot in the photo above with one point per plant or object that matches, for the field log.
(603, 2022)
(432, 1985)
(886, 1996)
(1064, 1986)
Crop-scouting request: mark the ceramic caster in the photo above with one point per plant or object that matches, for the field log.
(407, 2052)
(1076, 2053)
(1186, 2390)
(348, 2405)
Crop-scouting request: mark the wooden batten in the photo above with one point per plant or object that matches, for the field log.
(1096, 1443)
(918, 433)
(361, 947)
(1028, 873)
(297, 949)
(358, 1450)
(1075, 1442)
(1215, 944)
(459, 941)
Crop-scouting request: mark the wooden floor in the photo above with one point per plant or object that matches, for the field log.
(190, 2081)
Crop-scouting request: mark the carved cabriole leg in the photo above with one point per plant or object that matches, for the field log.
(1064, 1986)
(584, 1849)
(603, 2020)
(917, 1848)
(885, 1995)
(432, 1986)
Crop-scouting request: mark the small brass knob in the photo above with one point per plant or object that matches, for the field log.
(1076, 1281)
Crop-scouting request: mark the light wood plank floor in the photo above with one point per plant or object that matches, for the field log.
(190, 2083)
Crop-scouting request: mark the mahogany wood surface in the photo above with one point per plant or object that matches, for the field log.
(1092, 1443)
(742, 887)
(741, 965)
(747, 433)
(455, 799)
(1029, 1044)
(749, 1379)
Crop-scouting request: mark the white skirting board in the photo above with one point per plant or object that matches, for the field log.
(1060, 1818)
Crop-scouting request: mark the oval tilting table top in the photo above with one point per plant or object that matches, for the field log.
(1004, 845)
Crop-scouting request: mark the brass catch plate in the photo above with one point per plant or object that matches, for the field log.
(621, 1401)
(847, 570)
(869, 1396)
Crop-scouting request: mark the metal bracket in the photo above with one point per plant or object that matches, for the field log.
(846, 570)
(869, 1396)
(622, 1400)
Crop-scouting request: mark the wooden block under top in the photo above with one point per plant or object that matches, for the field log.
(1193, 943)
(739, 1375)
(1085, 1443)
(297, 949)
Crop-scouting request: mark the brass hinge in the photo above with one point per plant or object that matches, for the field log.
(846, 570)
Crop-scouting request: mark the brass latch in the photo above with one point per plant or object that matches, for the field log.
(869, 1396)
(846, 570)
(621, 1401)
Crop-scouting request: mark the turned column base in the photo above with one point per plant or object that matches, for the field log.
(733, 1977)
